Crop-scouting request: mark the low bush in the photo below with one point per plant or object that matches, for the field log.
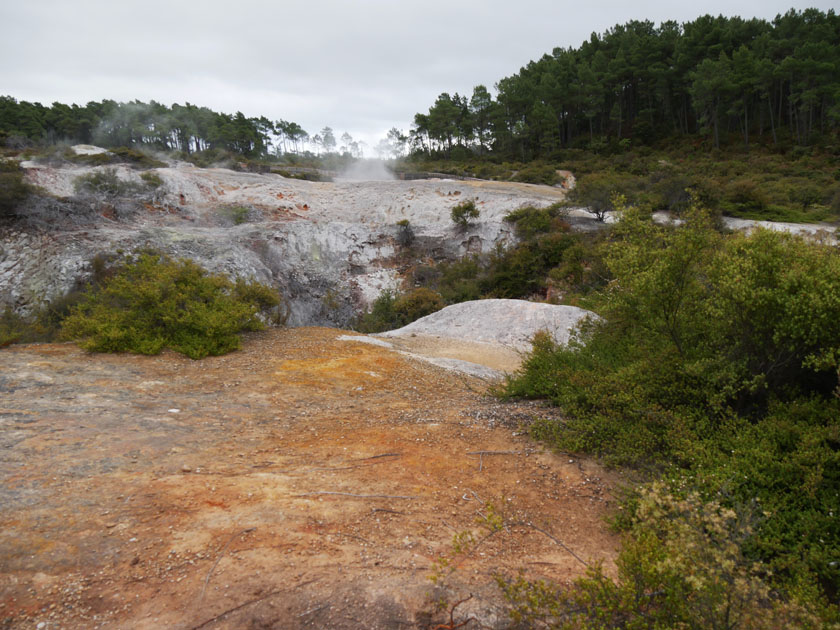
(153, 302)
(136, 158)
(745, 195)
(716, 368)
(16, 329)
(106, 183)
(405, 233)
(463, 213)
(530, 221)
(13, 188)
(153, 180)
(537, 173)
(119, 155)
(683, 565)
(236, 214)
(391, 310)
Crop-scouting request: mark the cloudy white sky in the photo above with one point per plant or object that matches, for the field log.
(360, 66)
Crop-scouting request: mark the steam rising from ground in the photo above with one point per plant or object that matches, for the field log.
(366, 171)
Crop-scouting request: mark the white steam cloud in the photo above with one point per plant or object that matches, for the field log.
(366, 171)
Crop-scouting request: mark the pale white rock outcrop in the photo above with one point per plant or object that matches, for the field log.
(509, 323)
(330, 248)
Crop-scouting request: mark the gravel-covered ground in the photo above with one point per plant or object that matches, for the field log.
(303, 481)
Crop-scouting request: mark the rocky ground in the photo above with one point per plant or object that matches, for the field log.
(303, 481)
(330, 248)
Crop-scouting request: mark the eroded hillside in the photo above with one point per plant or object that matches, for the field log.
(329, 247)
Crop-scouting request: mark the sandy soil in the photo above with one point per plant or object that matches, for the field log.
(301, 482)
(494, 356)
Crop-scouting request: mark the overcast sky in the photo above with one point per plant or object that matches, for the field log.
(360, 66)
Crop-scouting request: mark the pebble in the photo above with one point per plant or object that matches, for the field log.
(186, 468)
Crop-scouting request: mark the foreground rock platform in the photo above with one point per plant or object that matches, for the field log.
(301, 482)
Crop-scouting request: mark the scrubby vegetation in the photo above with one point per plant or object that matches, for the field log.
(715, 369)
(794, 185)
(548, 258)
(391, 310)
(464, 214)
(151, 302)
(105, 183)
(13, 190)
(117, 155)
(236, 214)
(683, 566)
(549, 262)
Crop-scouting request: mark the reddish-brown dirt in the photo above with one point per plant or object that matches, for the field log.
(300, 482)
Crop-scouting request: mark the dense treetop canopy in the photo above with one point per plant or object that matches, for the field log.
(186, 128)
(720, 77)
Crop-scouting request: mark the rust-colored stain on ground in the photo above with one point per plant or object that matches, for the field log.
(300, 482)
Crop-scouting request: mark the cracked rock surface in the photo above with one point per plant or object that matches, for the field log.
(330, 248)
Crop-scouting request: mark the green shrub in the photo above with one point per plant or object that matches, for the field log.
(537, 173)
(717, 361)
(459, 280)
(236, 214)
(119, 155)
(416, 304)
(105, 182)
(405, 233)
(381, 315)
(13, 189)
(807, 195)
(136, 158)
(834, 202)
(745, 195)
(152, 302)
(530, 221)
(15, 329)
(674, 193)
(788, 462)
(464, 213)
(683, 565)
(152, 180)
(390, 311)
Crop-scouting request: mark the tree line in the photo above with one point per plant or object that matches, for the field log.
(724, 79)
(184, 128)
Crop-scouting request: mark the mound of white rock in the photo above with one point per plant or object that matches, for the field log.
(509, 323)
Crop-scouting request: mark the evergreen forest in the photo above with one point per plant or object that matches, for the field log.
(718, 79)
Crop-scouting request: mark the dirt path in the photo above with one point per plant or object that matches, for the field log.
(300, 482)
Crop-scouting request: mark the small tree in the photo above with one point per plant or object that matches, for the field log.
(405, 233)
(463, 213)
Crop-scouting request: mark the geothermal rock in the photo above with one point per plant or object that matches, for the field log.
(330, 248)
(508, 323)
